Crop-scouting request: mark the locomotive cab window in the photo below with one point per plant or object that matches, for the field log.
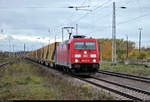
(88, 45)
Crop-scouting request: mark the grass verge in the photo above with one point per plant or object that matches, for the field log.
(25, 81)
(139, 70)
(5, 58)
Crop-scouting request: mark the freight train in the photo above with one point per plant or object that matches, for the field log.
(78, 55)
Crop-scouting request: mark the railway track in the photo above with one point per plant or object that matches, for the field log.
(122, 90)
(127, 76)
(6, 63)
(102, 84)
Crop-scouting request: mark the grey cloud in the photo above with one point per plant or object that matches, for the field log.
(35, 17)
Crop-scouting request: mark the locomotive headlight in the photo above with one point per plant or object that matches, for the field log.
(76, 60)
(85, 52)
(77, 55)
(94, 60)
(93, 55)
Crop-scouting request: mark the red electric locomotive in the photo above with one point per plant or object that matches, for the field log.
(79, 55)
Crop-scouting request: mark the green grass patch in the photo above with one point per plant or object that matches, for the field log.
(5, 58)
(139, 70)
(25, 81)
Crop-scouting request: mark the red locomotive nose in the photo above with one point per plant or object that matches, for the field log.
(78, 53)
(85, 56)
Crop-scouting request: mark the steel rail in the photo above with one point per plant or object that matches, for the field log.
(124, 86)
(1, 65)
(110, 89)
(128, 76)
(6, 63)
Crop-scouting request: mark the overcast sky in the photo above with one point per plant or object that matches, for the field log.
(28, 21)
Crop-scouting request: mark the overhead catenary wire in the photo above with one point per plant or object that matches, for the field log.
(70, 16)
(88, 13)
(103, 5)
(96, 7)
(99, 17)
(85, 15)
(106, 1)
(93, 10)
(123, 22)
(133, 19)
(91, 14)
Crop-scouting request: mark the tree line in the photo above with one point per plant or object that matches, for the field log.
(124, 50)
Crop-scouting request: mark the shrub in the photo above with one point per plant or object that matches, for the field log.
(135, 54)
(142, 55)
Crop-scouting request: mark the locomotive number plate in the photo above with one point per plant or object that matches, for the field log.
(85, 60)
(85, 55)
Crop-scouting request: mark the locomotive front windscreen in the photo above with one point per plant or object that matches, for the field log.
(88, 45)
